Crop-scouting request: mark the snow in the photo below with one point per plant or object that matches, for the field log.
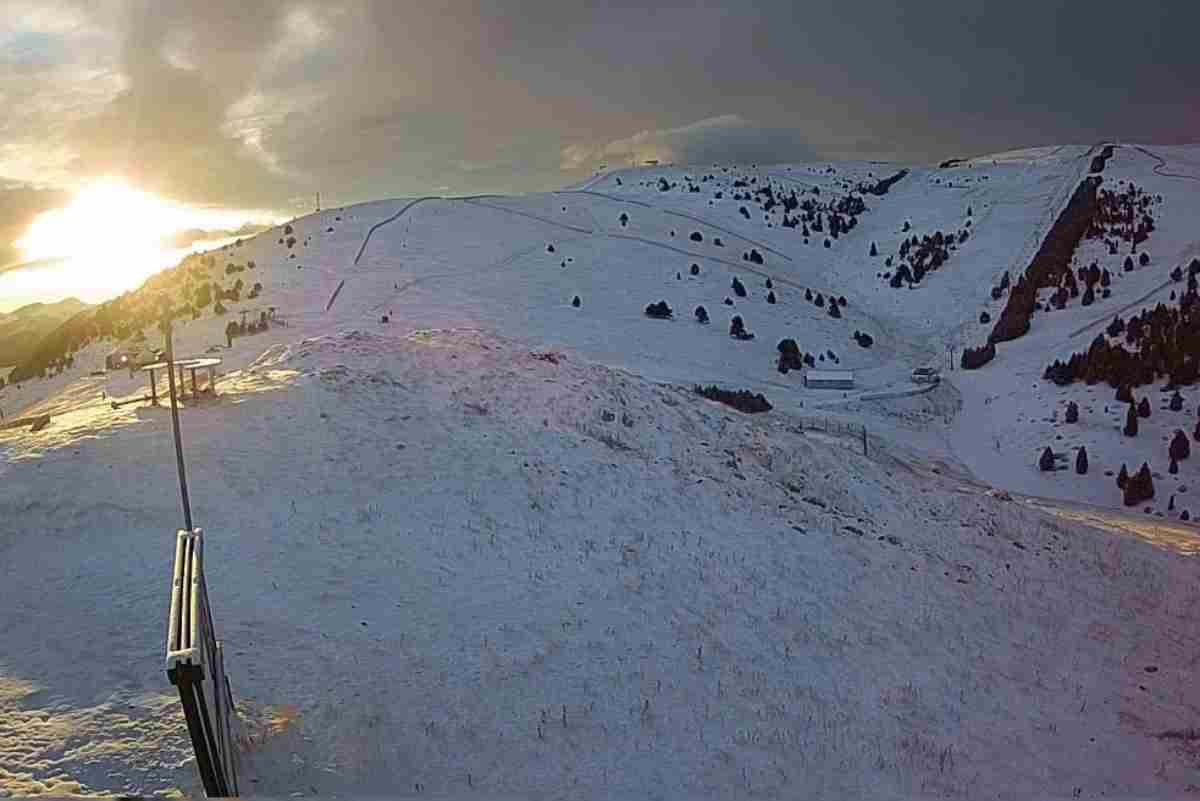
(430, 541)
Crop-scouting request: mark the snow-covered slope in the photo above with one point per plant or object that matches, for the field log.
(426, 550)
(496, 545)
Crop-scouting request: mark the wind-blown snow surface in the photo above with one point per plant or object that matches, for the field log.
(425, 550)
(432, 542)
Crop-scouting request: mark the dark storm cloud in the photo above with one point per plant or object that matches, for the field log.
(257, 102)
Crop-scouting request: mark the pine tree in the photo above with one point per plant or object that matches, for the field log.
(1081, 462)
(1144, 408)
(1131, 421)
(1176, 404)
(1072, 415)
(1141, 487)
(874, 252)
(1122, 477)
(1174, 468)
(771, 297)
(1046, 462)
(1179, 448)
(575, 301)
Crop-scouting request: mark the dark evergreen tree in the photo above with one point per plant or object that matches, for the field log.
(874, 252)
(1140, 487)
(1173, 468)
(790, 357)
(1180, 448)
(1046, 462)
(1122, 477)
(1089, 297)
(660, 310)
(1081, 462)
(771, 297)
(974, 358)
(1131, 421)
(984, 318)
(834, 311)
(1072, 415)
(1144, 258)
(737, 328)
(575, 301)
(1176, 404)
(1144, 408)
(738, 288)
(702, 315)
(695, 269)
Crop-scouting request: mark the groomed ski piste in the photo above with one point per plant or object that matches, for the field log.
(498, 547)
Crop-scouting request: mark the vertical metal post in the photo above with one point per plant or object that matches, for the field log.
(153, 389)
(183, 490)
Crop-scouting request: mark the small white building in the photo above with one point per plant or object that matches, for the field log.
(829, 379)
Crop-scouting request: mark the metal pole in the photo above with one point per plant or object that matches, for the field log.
(183, 490)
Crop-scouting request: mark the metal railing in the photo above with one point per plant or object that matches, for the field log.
(196, 666)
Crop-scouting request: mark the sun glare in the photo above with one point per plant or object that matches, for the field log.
(109, 238)
(107, 221)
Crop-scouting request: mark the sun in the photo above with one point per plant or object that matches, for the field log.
(109, 238)
(107, 222)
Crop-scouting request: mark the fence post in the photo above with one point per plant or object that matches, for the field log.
(864, 440)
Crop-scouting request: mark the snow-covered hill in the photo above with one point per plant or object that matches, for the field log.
(497, 545)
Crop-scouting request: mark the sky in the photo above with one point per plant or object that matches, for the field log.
(261, 103)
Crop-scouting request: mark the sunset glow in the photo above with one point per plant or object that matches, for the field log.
(108, 239)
